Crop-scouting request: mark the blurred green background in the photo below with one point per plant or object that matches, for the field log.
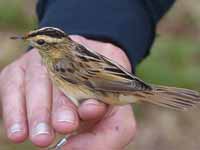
(174, 60)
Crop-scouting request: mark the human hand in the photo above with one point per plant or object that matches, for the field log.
(31, 105)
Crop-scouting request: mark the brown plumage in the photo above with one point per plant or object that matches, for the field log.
(82, 73)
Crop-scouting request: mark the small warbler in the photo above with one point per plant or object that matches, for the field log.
(81, 73)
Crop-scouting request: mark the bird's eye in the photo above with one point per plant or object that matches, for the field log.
(40, 42)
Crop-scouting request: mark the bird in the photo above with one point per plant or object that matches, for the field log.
(82, 73)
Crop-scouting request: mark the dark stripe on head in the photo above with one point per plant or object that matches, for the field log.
(48, 31)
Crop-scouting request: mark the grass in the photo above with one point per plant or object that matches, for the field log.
(13, 15)
(173, 62)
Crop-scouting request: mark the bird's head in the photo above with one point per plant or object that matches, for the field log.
(45, 39)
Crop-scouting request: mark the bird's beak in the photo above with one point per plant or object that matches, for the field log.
(18, 38)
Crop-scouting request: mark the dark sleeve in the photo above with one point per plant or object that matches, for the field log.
(129, 24)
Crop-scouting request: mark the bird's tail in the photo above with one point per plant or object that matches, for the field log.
(171, 97)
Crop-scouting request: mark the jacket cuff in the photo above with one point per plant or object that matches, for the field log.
(126, 23)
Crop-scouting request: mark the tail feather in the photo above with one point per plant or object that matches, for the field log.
(171, 97)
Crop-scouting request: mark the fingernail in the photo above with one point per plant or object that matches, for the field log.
(15, 128)
(92, 102)
(41, 128)
(65, 116)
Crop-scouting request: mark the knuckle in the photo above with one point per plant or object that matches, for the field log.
(78, 38)
(13, 84)
(39, 113)
(33, 55)
(61, 102)
(121, 57)
(37, 73)
(5, 71)
(8, 82)
(109, 46)
(119, 53)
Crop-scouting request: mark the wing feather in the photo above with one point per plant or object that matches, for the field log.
(100, 73)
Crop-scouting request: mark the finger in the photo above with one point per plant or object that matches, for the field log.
(64, 118)
(38, 102)
(92, 109)
(115, 131)
(13, 102)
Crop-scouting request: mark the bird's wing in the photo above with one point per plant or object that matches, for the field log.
(100, 73)
(111, 77)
